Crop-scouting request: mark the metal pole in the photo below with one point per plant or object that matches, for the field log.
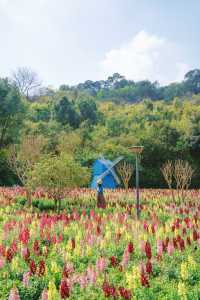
(137, 187)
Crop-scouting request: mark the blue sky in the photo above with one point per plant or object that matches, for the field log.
(69, 41)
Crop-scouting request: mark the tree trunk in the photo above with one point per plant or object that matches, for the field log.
(29, 197)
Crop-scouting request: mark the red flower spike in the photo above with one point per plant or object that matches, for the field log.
(64, 289)
(149, 268)
(124, 293)
(148, 250)
(32, 267)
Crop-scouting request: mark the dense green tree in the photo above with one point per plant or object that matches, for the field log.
(11, 113)
(65, 113)
(88, 110)
(192, 81)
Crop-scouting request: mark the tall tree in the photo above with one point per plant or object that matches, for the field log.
(11, 112)
(88, 110)
(65, 113)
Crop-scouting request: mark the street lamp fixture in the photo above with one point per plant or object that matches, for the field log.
(137, 150)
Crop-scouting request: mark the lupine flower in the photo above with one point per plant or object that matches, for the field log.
(26, 277)
(26, 254)
(32, 267)
(42, 268)
(101, 264)
(125, 258)
(144, 278)
(52, 291)
(113, 261)
(182, 244)
(184, 271)
(44, 295)
(109, 290)
(130, 247)
(64, 289)
(24, 236)
(159, 248)
(36, 248)
(14, 294)
(133, 278)
(83, 280)
(191, 263)
(2, 263)
(9, 255)
(170, 248)
(148, 250)
(124, 293)
(149, 267)
(92, 275)
(182, 291)
(67, 270)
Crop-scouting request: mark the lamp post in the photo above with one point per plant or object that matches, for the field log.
(137, 150)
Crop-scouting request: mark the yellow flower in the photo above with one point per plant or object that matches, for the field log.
(54, 267)
(108, 235)
(77, 250)
(102, 244)
(127, 236)
(182, 291)
(89, 251)
(133, 278)
(192, 263)
(52, 291)
(69, 246)
(184, 271)
(68, 256)
(15, 264)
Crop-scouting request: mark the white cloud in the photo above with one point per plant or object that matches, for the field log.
(146, 56)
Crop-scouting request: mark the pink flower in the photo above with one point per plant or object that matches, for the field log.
(83, 280)
(44, 295)
(101, 264)
(142, 246)
(159, 248)
(24, 236)
(125, 258)
(26, 277)
(2, 262)
(14, 294)
(92, 275)
(170, 248)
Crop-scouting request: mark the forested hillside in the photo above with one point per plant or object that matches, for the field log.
(104, 118)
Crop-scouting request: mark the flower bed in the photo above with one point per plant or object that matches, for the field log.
(101, 254)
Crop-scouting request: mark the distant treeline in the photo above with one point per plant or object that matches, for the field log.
(118, 89)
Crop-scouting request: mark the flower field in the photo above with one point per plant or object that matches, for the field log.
(89, 253)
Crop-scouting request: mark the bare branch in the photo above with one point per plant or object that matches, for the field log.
(125, 170)
(26, 81)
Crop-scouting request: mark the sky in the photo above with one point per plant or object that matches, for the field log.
(70, 41)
